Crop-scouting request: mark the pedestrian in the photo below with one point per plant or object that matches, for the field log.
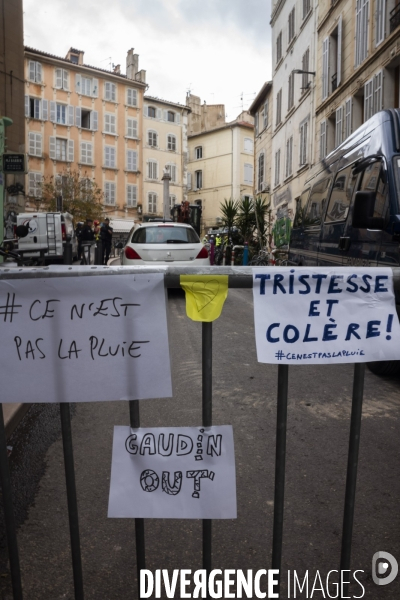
(106, 239)
(96, 230)
(87, 237)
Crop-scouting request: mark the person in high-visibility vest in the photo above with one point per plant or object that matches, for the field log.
(218, 240)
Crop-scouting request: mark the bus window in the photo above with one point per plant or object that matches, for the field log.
(372, 182)
(317, 202)
(342, 193)
(300, 207)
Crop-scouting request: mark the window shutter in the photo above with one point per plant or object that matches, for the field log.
(114, 92)
(78, 83)
(70, 115)
(107, 90)
(71, 151)
(38, 73)
(65, 79)
(52, 147)
(107, 156)
(95, 88)
(32, 144)
(339, 52)
(189, 181)
(59, 78)
(131, 97)
(177, 118)
(78, 116)
(89, 152)
(94, 120)
(165, 115)
(325, 68)
(53, 111)
(106, 122)
(113, 123)
(31, 70)
(45, 110)
(27, 106)
(158, 113)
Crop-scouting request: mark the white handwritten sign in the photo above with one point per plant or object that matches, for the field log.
(80, 339)
(325, 315)
(173, 472)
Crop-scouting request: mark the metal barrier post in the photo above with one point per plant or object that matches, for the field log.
(134, 417)
(352, 464)
(67, 251)
(207, 422)
(246, 254)
(71, 499)
(98, 253)
(212, 251)
(280, 460)
(9, 513)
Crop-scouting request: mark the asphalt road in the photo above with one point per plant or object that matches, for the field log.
(244, 395)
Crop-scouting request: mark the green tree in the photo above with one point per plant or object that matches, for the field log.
(263, 217)
(81, 196)
(246, 218)
(229, 211)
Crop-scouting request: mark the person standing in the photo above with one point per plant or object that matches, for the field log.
(87, 237)
(106, 239)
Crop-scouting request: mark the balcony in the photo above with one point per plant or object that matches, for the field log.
(394, 18)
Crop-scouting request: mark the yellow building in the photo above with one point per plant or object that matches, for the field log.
(165, 146)
(221, 159)
(85, 119)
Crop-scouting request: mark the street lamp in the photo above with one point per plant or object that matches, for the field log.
(301, 72)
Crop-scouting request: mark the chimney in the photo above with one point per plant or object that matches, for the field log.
(75, 56)
(132, 64)
(141, 76)
(117, 69)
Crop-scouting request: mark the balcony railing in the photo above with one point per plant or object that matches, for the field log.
(394, 18)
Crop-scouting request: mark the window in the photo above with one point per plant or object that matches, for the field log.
(110, 123)
(279, 107)
(372, 182)
(277, 166)
(131, 160)
(35, 108)
(378, 92)
(151, 112)
(198, 177)
(131, 128)
(316, 205)
(260, 179)
(109, 157)
(368, 99)
(248, 145)
(35, 184)
(86, 119)
(35, 144)
(154, 234)
(152, 138)
(61, 79)
(171, 167)
(152, 169)
(248, 173)
(291, 91)
(306, 8)
(87, 153)
(303, 143)
(256, 124)
(348, 122)
(171, 116)
(171, 143)
(380, 21)
(325, 68)
(198, 152)
(279, 47)
(362, 18)
(305, 66)
(332, 60)
(322, 140)
(61, 149)
(61, 114)
(131, 97)
(342, 193)
(87, 86)
(109, 193)
(339, 127)
(35, 71)
(110, 91)
(289, 157)
(291, 25)
(131, 195)
(152, 202)
(172, 201)
(74, 58)
(265, 114)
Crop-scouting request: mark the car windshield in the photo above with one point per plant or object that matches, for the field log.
(165, 234)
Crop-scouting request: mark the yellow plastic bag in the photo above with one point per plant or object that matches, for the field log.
(205, 296)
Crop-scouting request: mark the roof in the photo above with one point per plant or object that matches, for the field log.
(225, 126)
(259, 99)
(168, 102)
(66, 60)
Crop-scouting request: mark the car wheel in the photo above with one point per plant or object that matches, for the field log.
(384, 368)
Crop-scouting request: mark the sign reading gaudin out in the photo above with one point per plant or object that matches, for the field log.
(325, 315)
(80, 339)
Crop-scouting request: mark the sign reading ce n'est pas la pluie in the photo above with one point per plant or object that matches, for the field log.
(84, 339)
(325, 315)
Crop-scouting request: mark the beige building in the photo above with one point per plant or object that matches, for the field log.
(358, 62)
(221, 159)
(165, 146)
(261, 111)
(85, 119)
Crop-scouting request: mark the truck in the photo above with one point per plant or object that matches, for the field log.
(47, 230)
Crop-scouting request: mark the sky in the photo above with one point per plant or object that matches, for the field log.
(218, 49)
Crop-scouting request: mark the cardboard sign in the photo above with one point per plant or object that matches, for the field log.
(173, 472)
(325, 315)
(83, 339)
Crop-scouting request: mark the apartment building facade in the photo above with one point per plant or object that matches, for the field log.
(358, 62)
(165, 146)
(221, 159)
(81, 118)
(293, 49)
(261, 111)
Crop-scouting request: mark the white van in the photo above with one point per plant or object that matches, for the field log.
(47, 230)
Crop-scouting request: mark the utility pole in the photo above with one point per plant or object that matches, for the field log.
(166, 178)
(4, 122)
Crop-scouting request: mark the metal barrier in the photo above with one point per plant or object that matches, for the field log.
(238, 277)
